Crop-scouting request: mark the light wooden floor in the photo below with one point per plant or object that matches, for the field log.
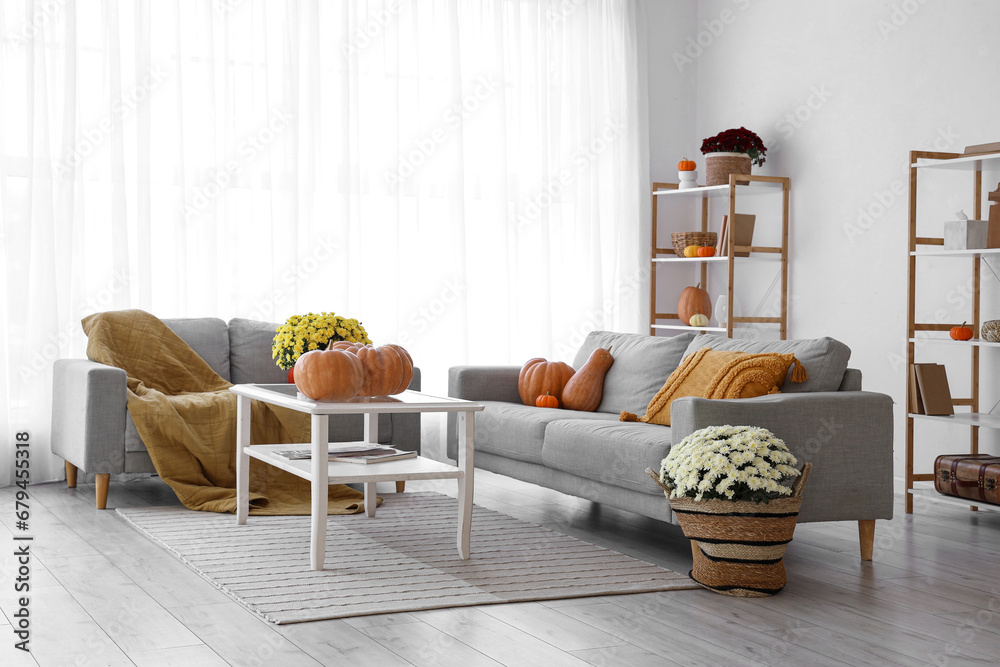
(104, 595)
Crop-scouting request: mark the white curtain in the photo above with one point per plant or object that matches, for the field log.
(463, 176)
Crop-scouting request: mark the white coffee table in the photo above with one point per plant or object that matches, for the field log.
(321, 473)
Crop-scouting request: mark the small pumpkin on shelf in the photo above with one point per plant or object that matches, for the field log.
(961, 332)
(686, 165)
(585, 389)
(547, 401)
(698, 320)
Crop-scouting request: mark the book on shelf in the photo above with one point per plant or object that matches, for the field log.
(742, 233)
(915, 405)
(352, 454)
(721, 240)
(934, 392)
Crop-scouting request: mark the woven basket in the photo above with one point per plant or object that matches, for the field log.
(990, 331)
(719, 165)
(740, 545)
(682, 240)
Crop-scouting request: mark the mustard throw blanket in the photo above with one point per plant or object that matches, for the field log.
(186, 416)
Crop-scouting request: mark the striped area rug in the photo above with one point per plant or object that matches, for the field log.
(404, 559)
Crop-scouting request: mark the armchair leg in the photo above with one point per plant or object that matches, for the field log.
(102, 479)
(400, 486)
(866, 533)
(70, 475)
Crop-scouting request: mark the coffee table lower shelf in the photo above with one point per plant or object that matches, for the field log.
(354, 473)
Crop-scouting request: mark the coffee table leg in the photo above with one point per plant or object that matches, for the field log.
(320, 489)
(466, 432)
(371, 435)
(371, 498)
(242, 459)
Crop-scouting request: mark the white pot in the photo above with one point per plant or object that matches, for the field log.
(688, 179)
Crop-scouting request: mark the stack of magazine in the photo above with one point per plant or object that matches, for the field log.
(352, 453)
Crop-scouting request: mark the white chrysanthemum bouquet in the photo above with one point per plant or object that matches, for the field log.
(729, 463)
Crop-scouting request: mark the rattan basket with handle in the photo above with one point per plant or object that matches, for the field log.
(682, 240)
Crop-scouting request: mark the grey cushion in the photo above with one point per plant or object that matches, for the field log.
(642, 364)
(607, 451)
(250, 352)
(208, 337)
(516, 431)
(825, 359)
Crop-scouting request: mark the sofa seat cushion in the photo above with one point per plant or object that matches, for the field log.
(825, 359)
(642, 364)
(607, 451)
(517, 431)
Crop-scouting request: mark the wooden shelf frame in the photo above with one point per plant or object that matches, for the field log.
(739, 185)
(973, 419)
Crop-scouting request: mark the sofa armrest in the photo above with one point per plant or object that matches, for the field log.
(851, 381)
(478, 383)
(847, 435)
(88, 415)
(484, 383)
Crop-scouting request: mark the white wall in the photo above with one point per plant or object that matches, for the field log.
(840, 92)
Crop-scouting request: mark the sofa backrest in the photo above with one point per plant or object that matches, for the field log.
(825, 359)
(250, 352)
(208, 337)
(642, 364)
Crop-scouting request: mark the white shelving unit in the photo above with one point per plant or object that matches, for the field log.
(739, 186)
(933, 332)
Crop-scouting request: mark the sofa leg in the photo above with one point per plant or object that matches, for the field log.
(70, 475)
(102, 479)
(866, 533)
(400, 486)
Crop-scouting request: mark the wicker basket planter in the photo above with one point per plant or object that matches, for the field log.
(718, 166)
(738, 547)
(681, 240)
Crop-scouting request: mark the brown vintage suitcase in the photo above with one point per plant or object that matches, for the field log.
(970, 476)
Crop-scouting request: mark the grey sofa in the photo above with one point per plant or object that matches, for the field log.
(845, 432)
(93, 432)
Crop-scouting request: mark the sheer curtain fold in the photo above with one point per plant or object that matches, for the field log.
(462, 176)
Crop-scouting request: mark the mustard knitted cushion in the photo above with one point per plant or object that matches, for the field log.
(711, 374)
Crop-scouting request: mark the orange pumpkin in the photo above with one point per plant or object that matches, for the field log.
(404, 381)
(547, 401)
(686, 165)
(387, 369)
(706, 251)
(539, 376)
(693, 300)
(584, 390)
(961, 333)
(329, 375)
